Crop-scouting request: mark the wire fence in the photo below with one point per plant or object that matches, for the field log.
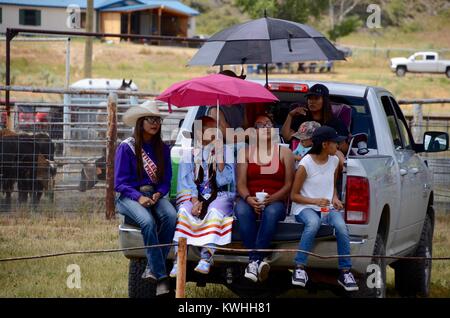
(63, 145)
(56, 147)
(239, 250)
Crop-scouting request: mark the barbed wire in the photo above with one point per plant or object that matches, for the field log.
(415, 258)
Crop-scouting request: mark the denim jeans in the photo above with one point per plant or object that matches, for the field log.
(312, 221)
(253, 237)
(157, 227)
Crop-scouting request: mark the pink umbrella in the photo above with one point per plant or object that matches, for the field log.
(215, 90)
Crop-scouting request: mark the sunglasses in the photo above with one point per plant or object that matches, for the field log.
(153, 119)
(263, 125)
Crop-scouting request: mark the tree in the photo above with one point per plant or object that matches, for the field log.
(88, 43)
(293, 10)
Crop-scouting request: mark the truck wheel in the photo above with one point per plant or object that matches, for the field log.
(448, 72)
(137, 287)
(412, 278)
(401, 71)
(379, 291)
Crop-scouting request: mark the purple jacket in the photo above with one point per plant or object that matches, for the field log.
(125, 173)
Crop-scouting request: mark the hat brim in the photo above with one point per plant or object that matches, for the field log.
(313, 94)
(299, 136)
(339, 139)
(135, 112)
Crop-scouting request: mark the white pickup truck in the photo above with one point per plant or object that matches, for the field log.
(420, 62)
(388, 205)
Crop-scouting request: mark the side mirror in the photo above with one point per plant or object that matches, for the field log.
(435, 141)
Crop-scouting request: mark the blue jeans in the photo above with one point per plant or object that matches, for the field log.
(253, 237)
(157, 225)
(312, 221)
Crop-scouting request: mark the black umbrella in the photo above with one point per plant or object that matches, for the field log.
(265, 41)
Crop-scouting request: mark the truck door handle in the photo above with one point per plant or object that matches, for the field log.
(414, 170)
(403, 172)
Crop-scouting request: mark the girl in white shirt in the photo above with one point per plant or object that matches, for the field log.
(314, 191)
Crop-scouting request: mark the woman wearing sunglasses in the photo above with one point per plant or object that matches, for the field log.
(265, 172)
(142, 178)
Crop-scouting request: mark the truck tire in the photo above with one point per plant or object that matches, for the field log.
(137, 287)
(447, 72)
(400, 71)
(413, 278)
(378, 292)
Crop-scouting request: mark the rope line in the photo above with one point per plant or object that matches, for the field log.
(415, 258)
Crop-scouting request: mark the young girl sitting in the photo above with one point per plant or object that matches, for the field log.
(304, 135)
(314, 191)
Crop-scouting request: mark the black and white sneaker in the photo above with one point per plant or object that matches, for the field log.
(251, 272)
(299, 277)
(263, 271)
(347, 281)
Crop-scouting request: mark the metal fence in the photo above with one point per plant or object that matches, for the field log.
(78, 127)
(77, 146)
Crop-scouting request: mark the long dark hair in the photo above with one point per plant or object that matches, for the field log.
(157, 145)
(327, 114)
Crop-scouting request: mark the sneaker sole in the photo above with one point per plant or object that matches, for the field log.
(294, 282)
(173, 275)
(251, 277)
(150, 279)
(348, 288)
(263, 271)
(200, 271)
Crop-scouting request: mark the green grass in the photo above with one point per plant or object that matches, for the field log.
(105, 275)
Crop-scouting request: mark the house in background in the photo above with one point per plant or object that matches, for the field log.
(143, 17)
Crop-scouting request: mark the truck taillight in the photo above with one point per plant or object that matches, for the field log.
(288, 87)
(357, 200)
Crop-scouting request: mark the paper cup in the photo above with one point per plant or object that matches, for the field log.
(260, 196)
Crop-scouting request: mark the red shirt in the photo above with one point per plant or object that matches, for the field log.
(269, 182)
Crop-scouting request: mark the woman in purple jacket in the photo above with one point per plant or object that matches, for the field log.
(142, 178)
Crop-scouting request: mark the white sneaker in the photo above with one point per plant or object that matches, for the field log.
(263, 271)
(251, 272)
(299, 277)
(174, 271)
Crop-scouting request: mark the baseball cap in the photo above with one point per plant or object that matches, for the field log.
(326, 133)
(318, 90)
(306, 130)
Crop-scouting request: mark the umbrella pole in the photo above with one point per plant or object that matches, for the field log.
(267, 75)
(217, 129)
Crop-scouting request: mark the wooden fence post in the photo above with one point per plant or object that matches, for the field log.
(181, 262)
(417, 130)
(110, 153)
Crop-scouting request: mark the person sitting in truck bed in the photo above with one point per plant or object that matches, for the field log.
(313, 193)
(205, 197)
(318, 109)
(258, 174)
(142, 174)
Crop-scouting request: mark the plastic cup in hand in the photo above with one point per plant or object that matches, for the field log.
(261, 196)
(324, 210)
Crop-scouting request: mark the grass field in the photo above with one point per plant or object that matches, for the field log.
(105, 275)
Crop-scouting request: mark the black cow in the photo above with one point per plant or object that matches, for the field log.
(27, 160)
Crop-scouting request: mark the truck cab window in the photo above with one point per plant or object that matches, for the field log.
(402, 125)
(393, 126)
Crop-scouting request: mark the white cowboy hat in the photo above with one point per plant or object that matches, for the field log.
(148, 108)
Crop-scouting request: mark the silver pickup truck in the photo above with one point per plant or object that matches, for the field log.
(388, 205)
(420, 62)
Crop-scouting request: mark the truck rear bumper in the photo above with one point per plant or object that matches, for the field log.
(130, 237)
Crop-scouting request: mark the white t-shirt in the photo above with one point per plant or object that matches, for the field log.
(319, 182)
